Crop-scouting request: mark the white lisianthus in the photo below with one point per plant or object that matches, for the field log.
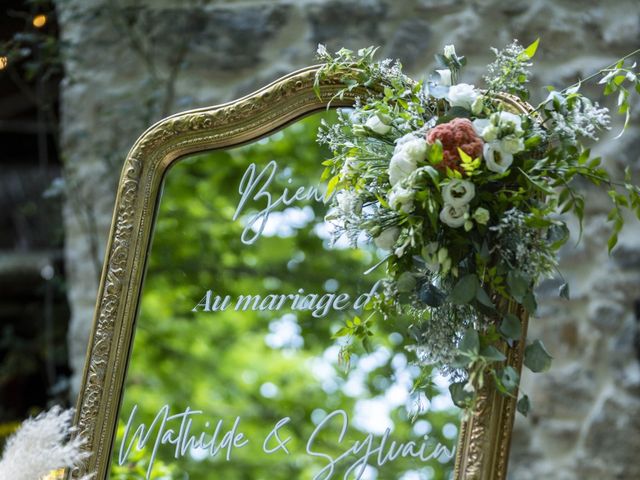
(449, 51)
(377, 125)
(387, 239)
(479, 124)
(486, 129)
(349, 202)
(497, 160)
(512, 144)
(458, 192)
(445, 76)
(401, 199)
(454, 216)
(400, 167)
(462, 95)
(481, 215)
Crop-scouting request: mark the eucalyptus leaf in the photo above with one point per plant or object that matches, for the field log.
(460, 361)
(510, 378)
(459, 395)
(406, 282)
(536, 357)
(529, 302)
(483, 298)
(465, 290)
(492, 354)
(524, 405)
(518, 285)
(510, 327)
(470, 342)
(557, 235)
(431, 295)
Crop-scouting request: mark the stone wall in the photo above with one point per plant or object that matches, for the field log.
(129, 63)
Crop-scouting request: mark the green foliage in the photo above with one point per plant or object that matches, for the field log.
(536, 357)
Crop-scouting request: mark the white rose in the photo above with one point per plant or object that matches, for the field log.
(454, 216)
(404, 139)
(445, 76)
(400, 167)
(512, 144)
(387, 239)
(415, 149)
(458, 193)
(462, 95)
(496, 159)
(401, 199)
(481, 215)
(377, 125)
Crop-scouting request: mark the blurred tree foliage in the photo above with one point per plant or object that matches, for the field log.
(262, 366)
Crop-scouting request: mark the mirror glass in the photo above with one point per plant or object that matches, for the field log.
(236, 370)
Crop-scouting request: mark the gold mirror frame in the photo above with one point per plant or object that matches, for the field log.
(485, 436)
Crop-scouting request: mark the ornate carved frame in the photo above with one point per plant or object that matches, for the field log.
(485, 436)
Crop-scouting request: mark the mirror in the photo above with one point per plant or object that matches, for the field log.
(233, 328)
(234, 372)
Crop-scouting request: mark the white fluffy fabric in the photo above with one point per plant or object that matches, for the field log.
(40, 445)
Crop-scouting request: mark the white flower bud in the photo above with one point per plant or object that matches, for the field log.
(508, 123)
(477, 105)
(377, 125)
(449, 51)
(446, 266)
(490, 133)
(481, 215)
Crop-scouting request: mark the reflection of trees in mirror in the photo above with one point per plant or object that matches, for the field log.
(263, 366)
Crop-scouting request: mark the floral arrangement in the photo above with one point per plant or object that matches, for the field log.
(464, 187)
